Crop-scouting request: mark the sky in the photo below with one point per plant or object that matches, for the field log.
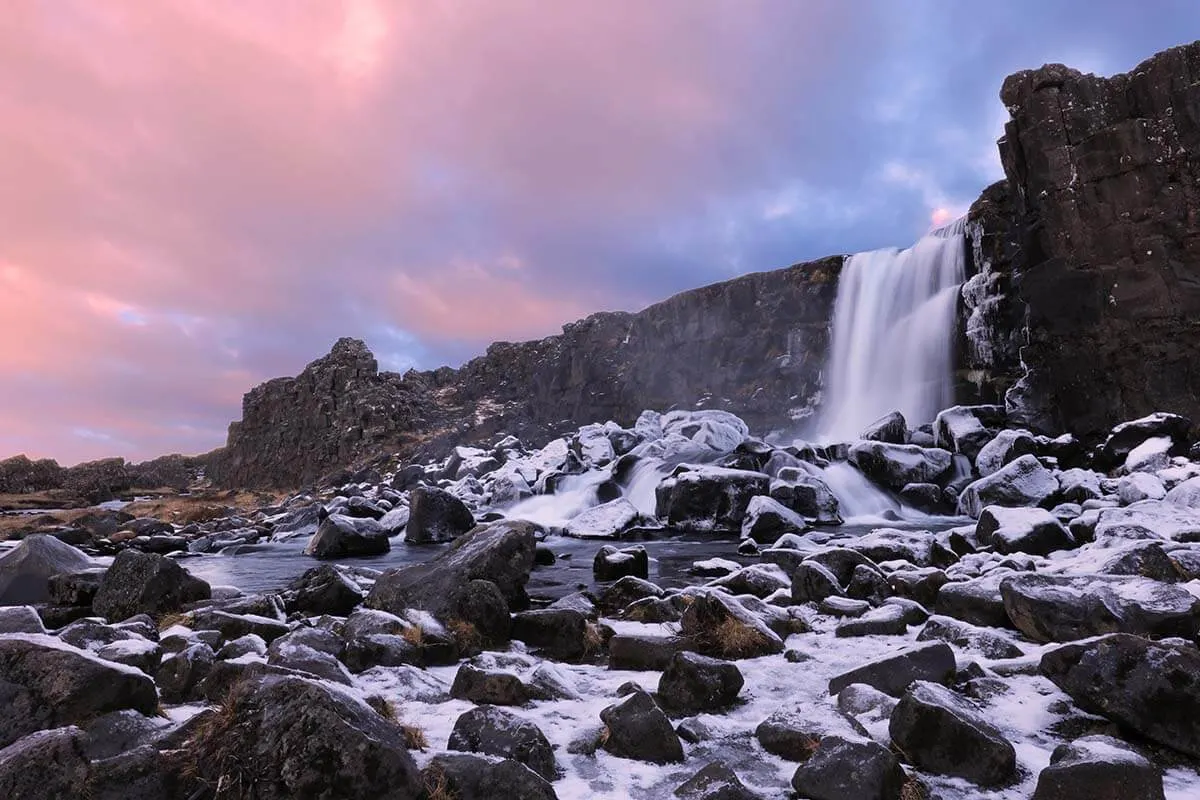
(199, 195)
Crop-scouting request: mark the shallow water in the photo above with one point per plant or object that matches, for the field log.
(271, 566)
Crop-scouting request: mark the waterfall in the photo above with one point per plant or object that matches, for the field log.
(893, 334)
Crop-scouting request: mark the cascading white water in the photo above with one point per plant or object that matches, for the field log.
(893, 329)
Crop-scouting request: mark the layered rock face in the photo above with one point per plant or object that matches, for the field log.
(754, 345)
(1095, 240)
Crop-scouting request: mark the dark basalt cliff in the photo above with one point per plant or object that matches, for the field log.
(1083, 308)
(754, 345)
(1093, 245)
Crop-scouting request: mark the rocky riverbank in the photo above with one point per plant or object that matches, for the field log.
(1016, 616)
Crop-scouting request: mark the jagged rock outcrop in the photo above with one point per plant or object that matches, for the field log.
(1098, 249)
(754, 345)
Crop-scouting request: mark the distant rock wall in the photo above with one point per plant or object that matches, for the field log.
(754, 345)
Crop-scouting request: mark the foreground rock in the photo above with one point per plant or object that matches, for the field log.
(939, 731)
(341, 536)
(850, 769)
(145, 583)
(932, 661)
(47, 764)
(692, 684)
(436, 516)
(46, 683)
(639, 730)
(25, 569)
(715, 782)
(496, 732)
(1023, 482)
(479, 777)
(1099, 768)
(290, 737)
(1150, 687)
(1057, 608)
(500, 553)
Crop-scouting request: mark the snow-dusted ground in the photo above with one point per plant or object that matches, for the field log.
(1026, 713)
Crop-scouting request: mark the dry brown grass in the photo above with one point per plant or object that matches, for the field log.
(414, 737)
(733, 639)
(466, 636)
(913, 789)
(593, 639)
(201, 506)
(437, 787)
(225, 771)
(414, 635)
(602, 739)
(170, 620)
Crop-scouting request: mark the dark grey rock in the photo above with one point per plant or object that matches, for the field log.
(638, 729)
(145, 583)
(941, 732)
(693, 683)
(497, 732)
(933, 661)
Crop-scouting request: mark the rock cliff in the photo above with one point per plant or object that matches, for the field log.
(754, 345)
(1093, 243)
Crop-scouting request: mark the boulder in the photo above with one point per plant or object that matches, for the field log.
(435, 515)
(1126, 437)
(610, 564)
(693, 684)
(1150, 687)
(44, 765)
(489, 687)
(45, 683)
(963, 635)
(1063, 608)
(627, 651)
(20, 619)
(767, 519)
(977, 601)
(889, 620)
(966, 429)
(891, 428)
(1151, 455)
(807, 495)
(479, 777)
(1034, 531)
(559, 633)
(892, 674)
(844, 768)
(897, 465)
(25, 570)
(1023, 482)
(146, 583)
(341, 536)
(501, 552)
(941, 732)
(625, 592)
(1007, 446)
(714, 782)
(497, 732)
(322, 590)
(796, 735)
(758, 580)
(76, 588)
(719, 625)
(234, 626)
(291, 737)
(180, 674)
(1079, 485)
(1099, 768)
(639, 730)
(605, 521)
(1140, 486)
(708, 498)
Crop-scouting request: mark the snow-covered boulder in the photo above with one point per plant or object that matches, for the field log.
(1024, 482)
